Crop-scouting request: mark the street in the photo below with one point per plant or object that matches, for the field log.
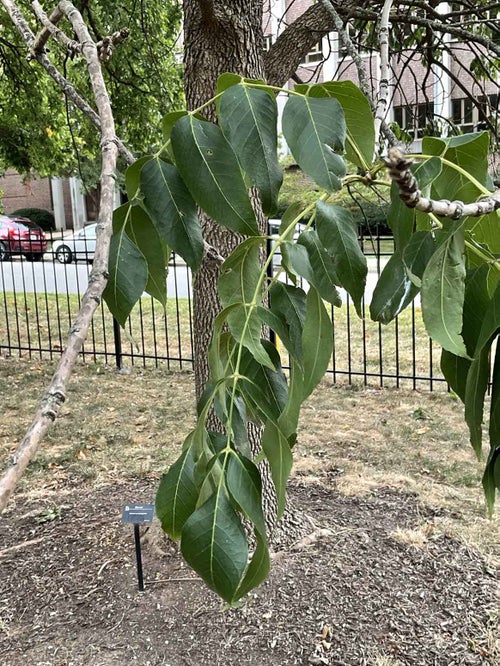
(52, 277)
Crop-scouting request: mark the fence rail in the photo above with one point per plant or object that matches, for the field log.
(39, 301)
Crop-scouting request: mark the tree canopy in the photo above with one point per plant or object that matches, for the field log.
(41, 132)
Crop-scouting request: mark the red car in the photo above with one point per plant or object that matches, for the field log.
(18, 235)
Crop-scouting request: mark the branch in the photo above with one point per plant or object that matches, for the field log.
(43, 36)
(383, 86)
(361, 70)
(56, 392)
(400, 172)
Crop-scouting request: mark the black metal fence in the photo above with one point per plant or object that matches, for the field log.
(39, 300)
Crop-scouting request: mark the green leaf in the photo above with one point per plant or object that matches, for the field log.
(339, 234)
(491, 321)
(322, 274)
(143, 233)
(491, 479)
(245, 487)
(127, 267)
(289, 418)
(248, 117)
(289, 304)
(443, 291)
(494, 427)
(393, 291)
(475, 391)
(468, 151)
(133, 176)
(258, 569)
(277, 325)
(177, 495)
(239, 423)
(476, 302)
(484, 230)
(213, 543)
(216, 359)
(417, 254)
(314, 129)
(173, 210)
(238, 283)
(265, 390)
(455, 370)
(360, 145)
(401, 220)
(212, 174)
(227, 80)
(277, 449)
(168, 121)
(317, 342)
(289, 220)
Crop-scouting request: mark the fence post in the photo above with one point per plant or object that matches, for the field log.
(117, 335)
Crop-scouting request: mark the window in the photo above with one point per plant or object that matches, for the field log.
(414, 118)
(315, 54)
(471, 117)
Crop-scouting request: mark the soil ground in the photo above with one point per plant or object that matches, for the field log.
(406, 573)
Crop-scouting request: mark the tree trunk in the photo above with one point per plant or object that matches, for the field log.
(222, 36)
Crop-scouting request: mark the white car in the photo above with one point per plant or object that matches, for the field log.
(78, 246)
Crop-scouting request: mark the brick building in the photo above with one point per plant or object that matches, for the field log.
(418, 99)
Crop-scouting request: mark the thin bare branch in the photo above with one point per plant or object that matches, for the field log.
(399, 168)
(383, 84)
(43, 36)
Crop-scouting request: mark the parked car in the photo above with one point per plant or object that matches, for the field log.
(19, 235)
(80, 245)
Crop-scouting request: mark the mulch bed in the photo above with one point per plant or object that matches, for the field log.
(69, 594)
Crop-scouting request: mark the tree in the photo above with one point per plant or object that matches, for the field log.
(215, 477)
(39, 130)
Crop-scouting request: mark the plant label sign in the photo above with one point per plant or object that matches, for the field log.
(138, 513)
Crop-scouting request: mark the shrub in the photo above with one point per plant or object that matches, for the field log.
(44, 218)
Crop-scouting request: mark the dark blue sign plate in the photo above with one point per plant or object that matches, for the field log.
(138, 513)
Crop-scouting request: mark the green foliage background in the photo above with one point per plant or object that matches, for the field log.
(39, 133)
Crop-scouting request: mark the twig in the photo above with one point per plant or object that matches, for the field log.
(24, 544)
(51, 29)
(400, 172)
(43, 36)
(102, 567)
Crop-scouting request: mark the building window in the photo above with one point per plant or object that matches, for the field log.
(315, 54)
(414, 118)
(471, 117)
